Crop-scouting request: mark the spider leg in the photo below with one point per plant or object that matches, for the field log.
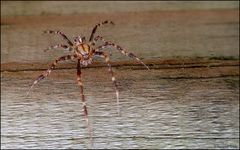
(96, 26)
(120, 49)
(95, 40)
(79, 80)
(98, 38)
(107, 59)
(60, 33)
(53, 65)
(65, 47)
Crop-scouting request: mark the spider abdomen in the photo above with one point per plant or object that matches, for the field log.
(83, 48)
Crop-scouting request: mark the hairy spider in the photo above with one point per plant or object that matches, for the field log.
(84, 52)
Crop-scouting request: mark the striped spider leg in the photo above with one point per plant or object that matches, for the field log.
(65, 47)
(61, 34)
(98, 52)
(119, 48)
(84, 104)
(53, 65)
(95, 29)
(107, 60)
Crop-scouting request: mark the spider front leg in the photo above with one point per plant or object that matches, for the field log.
(53, 65)
(119, 48)
(79, 80)
(96, 26)
(107, 59)
(99, 38)
(96, 39)
(65, 47)
(60, 33)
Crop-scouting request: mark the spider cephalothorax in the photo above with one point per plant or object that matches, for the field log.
(84, 51)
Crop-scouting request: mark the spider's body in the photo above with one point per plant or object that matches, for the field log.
(84, 49)
(84, 52)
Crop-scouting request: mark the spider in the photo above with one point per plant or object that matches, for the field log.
(84, 52)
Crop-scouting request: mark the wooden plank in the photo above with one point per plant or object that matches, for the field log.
(150, 35)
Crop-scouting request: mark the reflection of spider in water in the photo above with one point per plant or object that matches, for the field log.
(84, 51)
